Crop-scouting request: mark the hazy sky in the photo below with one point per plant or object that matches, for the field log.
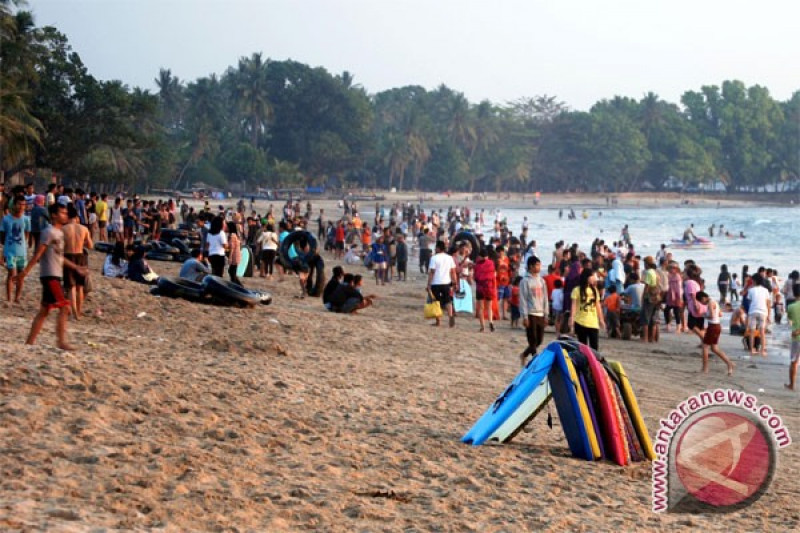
(577, 50)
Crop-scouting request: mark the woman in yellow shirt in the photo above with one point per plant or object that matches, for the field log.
(586, 317)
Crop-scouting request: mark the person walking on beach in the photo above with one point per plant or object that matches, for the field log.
(586, 317)
(793, 315)
(533, 307)
(51, 271)
(442, 281)
(713, 330)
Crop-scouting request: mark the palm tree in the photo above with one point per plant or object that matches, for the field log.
(170, 93)
(250, 94)
(20, 132)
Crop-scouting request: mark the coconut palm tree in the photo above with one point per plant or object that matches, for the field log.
(250, 94)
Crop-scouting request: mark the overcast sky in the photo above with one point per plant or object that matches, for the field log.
(577, 50)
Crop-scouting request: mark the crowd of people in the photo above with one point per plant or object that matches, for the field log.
(602, 290)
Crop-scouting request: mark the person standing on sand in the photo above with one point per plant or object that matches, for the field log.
(76, 238)
(216, 243)
(758, 313)
(442, 281)
(586, 317)
(711, 336)
(234, 253)
(793, 315)
(503, 280)
(15, 232)
(533, 307)
(484, 288)
(51, 271)
(696, 310)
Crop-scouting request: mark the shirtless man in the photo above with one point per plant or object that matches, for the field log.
(76, 237)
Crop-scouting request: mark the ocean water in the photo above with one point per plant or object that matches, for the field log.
(772, 234)
(772, 239)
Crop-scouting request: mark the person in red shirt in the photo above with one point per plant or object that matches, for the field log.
(485, 277)
(503, 281)
(550, 281)
(613, 307)
(339, 241)
(514, 302)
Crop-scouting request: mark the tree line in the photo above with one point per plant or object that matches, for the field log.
(272, 124)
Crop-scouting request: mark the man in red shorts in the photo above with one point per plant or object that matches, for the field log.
(51, 273)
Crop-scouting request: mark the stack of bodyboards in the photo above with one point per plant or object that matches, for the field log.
(594, 399)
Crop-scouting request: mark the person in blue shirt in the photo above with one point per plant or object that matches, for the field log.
(195, 268)
(14, 233)
(40, 219)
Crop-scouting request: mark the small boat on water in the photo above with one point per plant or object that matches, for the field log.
(699, 243)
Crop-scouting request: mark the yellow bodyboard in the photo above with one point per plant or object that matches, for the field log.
(587, 418)
(633, 410)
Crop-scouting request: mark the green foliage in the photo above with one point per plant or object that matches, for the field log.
(285, 124)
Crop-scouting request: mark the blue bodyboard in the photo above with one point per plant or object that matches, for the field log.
(513, 397)
(566, 400)
(463, 304)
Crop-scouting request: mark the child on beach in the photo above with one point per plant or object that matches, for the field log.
(51, 272)
(734, 288)
(713, 329)
(557, 298)
(514, 302)
(613, 307)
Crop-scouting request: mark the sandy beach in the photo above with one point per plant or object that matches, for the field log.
(178, 416)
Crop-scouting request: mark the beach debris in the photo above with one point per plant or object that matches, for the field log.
(141, 314)
(388, 494)
(760, 390)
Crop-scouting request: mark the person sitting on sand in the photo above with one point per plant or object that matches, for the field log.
(336, 280)
(352, 257)
(711, 337)
(138, 269)
(115, 265)
(738, 321)
(195, 268)
(348, 298)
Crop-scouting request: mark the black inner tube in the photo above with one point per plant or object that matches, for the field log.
(301, 238)
(469, 237)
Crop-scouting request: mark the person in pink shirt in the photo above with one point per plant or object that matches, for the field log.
(697, 311)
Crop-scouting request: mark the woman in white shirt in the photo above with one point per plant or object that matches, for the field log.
(216, 242)
(268, 240)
